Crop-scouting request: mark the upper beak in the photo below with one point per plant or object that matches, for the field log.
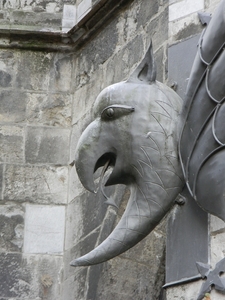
(91, 153)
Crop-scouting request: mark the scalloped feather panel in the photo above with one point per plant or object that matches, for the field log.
(202, 142)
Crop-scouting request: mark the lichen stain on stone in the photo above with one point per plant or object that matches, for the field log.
(46, 281)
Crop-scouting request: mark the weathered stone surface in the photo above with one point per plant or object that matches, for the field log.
(83, 8)
(83, 101)
(1, 180)
(32, 18)
(39, 184)
(29, 277)
(53, 109)
(147, 11)
(35, 67)
(82, 247)
(10, 268)
(12, 106)
(127, 279)
(47, 145)
(95, 54)
(44, 229)
(5, 79)
(184, 28)
(11, 228)
(184, 8)
(11, 144)
(74, 287)
(61, 73)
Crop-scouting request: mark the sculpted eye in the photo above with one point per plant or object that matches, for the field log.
(110, 112)
(116, 111)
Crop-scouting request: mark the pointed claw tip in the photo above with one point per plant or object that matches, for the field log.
(75, 263)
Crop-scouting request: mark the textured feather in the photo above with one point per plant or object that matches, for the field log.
(202, 142)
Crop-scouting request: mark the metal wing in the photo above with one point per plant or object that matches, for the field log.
(202, 142)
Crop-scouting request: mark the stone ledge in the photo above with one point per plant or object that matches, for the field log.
(37, 38)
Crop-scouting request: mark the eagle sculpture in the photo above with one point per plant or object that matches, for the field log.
(152, 144)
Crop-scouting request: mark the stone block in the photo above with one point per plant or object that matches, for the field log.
(146, 12)
(125, 61)
(69, 12)
(24, 277)
(67, 25)
(1, 180)
(161, 35)
(183, 8)
(95, 54)
(10, 268)
(74, 224)
(11, 144)
(84, 246)
(75, 186)
(43, 275)
(47, 145)
(83, 101)
(11, 228)
(187, 291)
(184, 28)
(61, 73)
(35, 67)
(159, 58)
(127, 279)
(52, 7)
(74, 286)
(12, 106)
(51, 110)
(216, 225)
(44, 229)
(39, 184)
(83, 8)
(5, 79)
(69, 17)
(217, 247)
(36, 17)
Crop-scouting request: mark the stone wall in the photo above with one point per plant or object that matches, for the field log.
(46, 100)
(35, 121)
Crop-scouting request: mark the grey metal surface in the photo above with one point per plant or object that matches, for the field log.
(213, 278)
(202, 143)
(187, 234)
(179, 68)
(187, 242)
(134, 133)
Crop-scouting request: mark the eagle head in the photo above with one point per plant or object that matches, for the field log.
(135, 133)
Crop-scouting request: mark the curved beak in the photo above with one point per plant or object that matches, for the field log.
(91, 153)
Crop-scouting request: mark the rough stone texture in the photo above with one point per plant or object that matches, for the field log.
(46, 101)
(44, 229)
(44, 145)
(39, 184)
(11, 228)
(30, 277)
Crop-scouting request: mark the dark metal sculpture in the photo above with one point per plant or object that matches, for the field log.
(202, 142)
(135, 131)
